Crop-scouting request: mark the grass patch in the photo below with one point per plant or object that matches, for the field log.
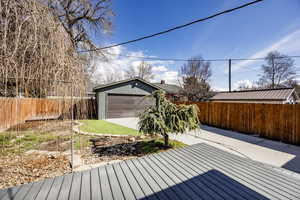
(13, 142)
(104, 127)
(157, 145)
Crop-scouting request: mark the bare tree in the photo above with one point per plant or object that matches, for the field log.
(37, 56)
(279, 71)
(195, 75)
(80, 18)
(143, 70)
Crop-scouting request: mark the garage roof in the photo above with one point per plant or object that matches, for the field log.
(125, 81)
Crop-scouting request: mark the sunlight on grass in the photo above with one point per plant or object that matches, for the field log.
(13, 142)
(104, 127)
(157, 145)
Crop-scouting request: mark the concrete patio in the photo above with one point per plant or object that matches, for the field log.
(275, 154)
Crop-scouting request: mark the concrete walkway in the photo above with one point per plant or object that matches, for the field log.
(262, 150)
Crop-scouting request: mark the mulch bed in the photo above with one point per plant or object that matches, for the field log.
(16, 170)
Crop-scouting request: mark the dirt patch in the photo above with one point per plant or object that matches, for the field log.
(59, 144)
(40, 149)
(57, 127)
(16, 170)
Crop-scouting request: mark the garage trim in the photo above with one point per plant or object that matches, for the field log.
(135, 87)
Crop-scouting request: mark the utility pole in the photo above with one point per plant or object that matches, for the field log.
(273, 73)
(229, 75)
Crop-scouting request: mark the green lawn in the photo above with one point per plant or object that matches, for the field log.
(104, 127)
(158, 145)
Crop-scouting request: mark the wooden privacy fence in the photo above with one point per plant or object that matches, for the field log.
(274, 121)
(14, 111)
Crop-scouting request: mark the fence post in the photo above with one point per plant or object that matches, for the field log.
(72, 118)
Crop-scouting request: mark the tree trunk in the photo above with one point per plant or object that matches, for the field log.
(166, 136)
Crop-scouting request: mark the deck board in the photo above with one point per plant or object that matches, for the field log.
(133, 184)
(275, 188)
(95, 185)
(44, 190)
(198, 171)
(105, 185)
(115, 186)
(85, 191)
(55, 189)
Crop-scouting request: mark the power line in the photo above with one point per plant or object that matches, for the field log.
(191, 59)
(177, 27)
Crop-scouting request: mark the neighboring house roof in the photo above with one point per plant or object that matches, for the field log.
(279, 94)
(169, 88)
(125, 81)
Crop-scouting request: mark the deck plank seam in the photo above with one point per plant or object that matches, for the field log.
(255, 171)
(60, 187)
(226, 182)
(31, 186)
(150, 177)
(143, 179)
(163, 171)
(150, 157)
(158, 176)
(203, 183)
(126, 180)
(70, 187)
(47, 195)
(113, 167)
(222, 189)
(109, 182)
(257, 165)
(100, 183)
(159, 186)
(39, 190)
(240, 177)
(287, 190)
(134, 178)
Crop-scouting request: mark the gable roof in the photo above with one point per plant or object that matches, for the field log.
(125, 81)
(169, 88)
(279, 94)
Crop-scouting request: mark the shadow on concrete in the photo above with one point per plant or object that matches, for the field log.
(293, 164)
(210, 185)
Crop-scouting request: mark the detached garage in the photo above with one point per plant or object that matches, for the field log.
(124, 98)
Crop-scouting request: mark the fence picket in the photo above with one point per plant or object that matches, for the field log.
(274, 121)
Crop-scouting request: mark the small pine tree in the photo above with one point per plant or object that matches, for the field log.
(166, 117)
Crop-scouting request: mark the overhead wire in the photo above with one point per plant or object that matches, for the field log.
(176, 27)
(194, 59)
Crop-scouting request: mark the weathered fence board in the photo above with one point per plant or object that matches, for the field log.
(274, 121)
(14, 111)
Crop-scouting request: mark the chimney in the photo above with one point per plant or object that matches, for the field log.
(162, 82)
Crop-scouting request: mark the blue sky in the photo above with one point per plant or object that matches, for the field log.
(248, 32)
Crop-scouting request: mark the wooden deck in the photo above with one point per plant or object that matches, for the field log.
(196, 172)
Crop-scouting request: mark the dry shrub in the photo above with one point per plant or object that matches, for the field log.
(37, 57)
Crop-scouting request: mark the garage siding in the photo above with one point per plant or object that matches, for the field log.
(123, 99)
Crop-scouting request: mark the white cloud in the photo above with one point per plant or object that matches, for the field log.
(244, 83)
(170, 77)
(219, 89)
(160, 68)
(288, 45)
(115, 66)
